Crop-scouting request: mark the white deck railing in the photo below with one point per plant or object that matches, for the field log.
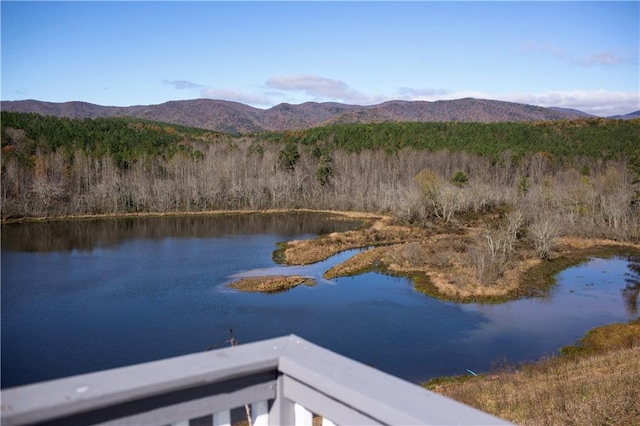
(285, 381)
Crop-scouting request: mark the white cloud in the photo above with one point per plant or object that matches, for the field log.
(534, 46)
(409, 92)
(604, 58)
(449, 95)
(601, 58)
(182, 84)
(222, 93)
(322, 88)
(311, 84)
(596, 102)
(236, 95)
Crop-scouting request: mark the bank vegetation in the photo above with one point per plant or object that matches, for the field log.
(593, 383)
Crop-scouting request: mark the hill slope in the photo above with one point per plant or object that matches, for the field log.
(233, 117)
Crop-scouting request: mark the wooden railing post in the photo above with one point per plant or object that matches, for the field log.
(222, 418)
(281, 410)
(260, 413)
(304, 417)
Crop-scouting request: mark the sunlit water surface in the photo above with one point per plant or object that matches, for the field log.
(86, 296)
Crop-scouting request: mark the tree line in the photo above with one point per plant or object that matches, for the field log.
(579, 179)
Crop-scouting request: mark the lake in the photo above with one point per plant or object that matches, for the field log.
(82, 296)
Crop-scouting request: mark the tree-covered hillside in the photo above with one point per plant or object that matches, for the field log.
(595, 138)
(124, 139)
(127, 139)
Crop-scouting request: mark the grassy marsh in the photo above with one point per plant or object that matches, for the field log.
(445, 262)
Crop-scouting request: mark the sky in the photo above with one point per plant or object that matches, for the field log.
(582, 55)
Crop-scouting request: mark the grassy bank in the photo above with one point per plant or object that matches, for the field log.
(594, 382)
(333, 213)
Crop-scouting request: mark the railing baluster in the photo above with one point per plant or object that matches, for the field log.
(222, 418)
(304, 417)
(327, 422)
(260, 413)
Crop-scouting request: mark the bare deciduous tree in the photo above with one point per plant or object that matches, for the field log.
(544, 233)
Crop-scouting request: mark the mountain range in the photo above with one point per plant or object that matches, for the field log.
(234, 117)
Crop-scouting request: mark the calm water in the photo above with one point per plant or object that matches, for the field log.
(89, 295)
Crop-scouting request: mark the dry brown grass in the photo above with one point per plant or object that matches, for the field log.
(606, 338)
(359, 263)
(271, 283)
(597, 385)
(585, 243)
(443, 262)
(380, 232)
(439, 265)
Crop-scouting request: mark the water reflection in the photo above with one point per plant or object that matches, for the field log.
(85, 235)
(586, 296)
(632, 289)
(314, 270)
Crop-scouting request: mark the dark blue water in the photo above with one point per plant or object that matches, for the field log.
(82, 299)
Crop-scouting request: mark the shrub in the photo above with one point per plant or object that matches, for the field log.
(460, 179)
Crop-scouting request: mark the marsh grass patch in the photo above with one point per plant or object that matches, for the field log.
(271, 283)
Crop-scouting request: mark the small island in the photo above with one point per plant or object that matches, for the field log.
(270, 283)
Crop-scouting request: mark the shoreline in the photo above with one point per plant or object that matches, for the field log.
(348, 214)
(434, 258)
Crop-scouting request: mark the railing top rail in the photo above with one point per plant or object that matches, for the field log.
(381, 396)
(324, 379)
(83, 392)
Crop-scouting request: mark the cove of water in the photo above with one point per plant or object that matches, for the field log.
(89, 295)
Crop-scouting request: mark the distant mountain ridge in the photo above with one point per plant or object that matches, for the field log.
(577, 112)
(234, 117)
(630, 116)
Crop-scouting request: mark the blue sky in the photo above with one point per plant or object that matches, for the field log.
(582, 55)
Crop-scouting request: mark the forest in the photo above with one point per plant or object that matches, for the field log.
(578, 177)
